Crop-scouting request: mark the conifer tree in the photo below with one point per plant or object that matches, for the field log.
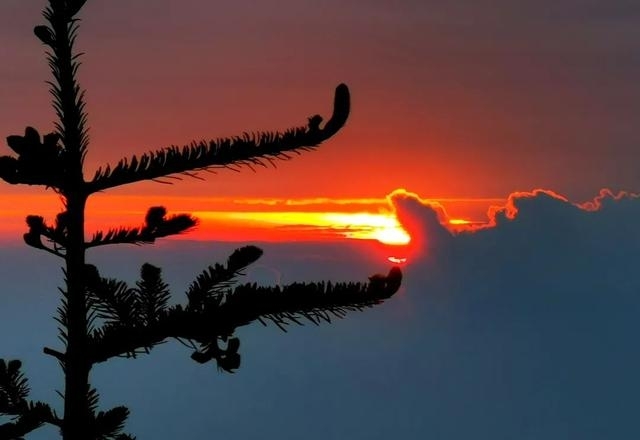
(101, 318)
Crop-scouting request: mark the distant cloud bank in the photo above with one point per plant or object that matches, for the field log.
(538, 311)
(532, 221)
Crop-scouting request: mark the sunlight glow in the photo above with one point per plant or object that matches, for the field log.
(383, 227)
(459, 221)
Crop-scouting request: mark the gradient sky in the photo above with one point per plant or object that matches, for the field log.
(450, 99)
(523, 330)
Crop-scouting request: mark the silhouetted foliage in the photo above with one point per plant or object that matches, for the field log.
(100, 318)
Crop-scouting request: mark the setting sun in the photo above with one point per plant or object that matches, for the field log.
(382, 227)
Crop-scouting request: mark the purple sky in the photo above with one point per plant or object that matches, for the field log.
(468, 98)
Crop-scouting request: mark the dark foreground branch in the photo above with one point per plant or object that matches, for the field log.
(32, 417)
(26, 415)
(157, 225)
(248, 149)
(315, 302)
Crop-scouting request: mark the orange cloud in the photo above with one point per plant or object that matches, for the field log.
(606, 193)
(401, 199)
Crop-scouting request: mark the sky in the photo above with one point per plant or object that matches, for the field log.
(527, 329)
(472, 100)
(486, 132)
(450, 99)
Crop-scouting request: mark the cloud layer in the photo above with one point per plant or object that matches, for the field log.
(539, 314)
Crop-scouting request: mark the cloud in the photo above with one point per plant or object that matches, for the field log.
(539, 221)
(538, 311)
(606, 197)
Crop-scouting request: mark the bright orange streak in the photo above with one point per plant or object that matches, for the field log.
(384, 228)
(459, 221)
(247, 219)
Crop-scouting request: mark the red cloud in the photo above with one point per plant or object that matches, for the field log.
(604, 197)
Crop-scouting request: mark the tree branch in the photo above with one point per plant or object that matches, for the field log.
(27, 415)
(157, 225)
(33, 417)
(249, 149)
(55, 353)
(55, 235)
(39, 161)
(315, 302)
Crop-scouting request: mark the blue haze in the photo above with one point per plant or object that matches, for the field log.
(525, 331)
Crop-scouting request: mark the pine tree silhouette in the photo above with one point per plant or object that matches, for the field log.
(101, 318)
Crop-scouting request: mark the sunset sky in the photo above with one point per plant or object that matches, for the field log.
(461, 100)
(492, 150)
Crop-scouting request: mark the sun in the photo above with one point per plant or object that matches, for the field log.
(391, 235)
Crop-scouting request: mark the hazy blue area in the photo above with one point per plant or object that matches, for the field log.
(526, 331)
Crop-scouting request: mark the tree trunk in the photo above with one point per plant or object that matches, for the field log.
(77, 366)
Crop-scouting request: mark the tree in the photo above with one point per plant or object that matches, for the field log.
(101, 318)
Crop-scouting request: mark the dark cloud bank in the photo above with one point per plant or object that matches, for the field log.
(526, 330)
